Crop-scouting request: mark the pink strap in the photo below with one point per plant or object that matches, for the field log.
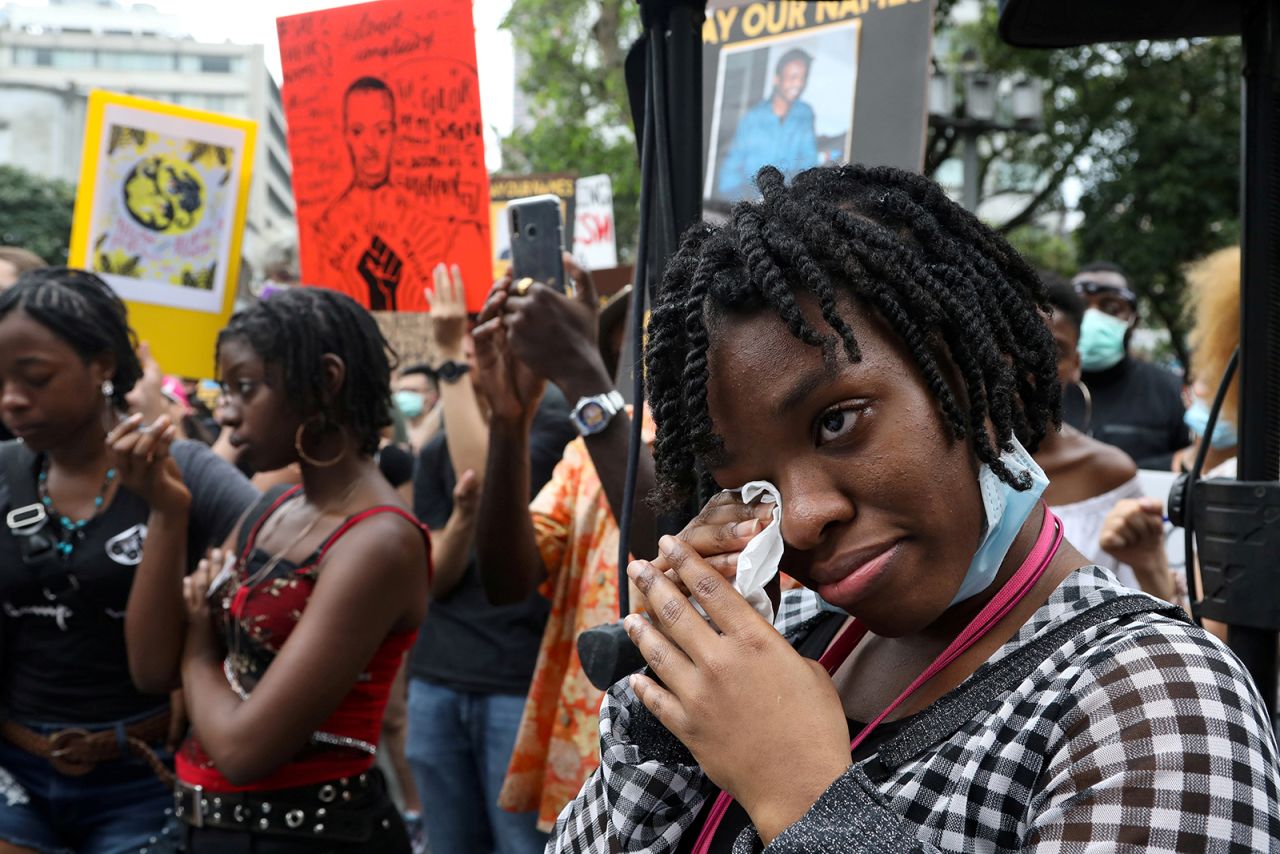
(1013, 592)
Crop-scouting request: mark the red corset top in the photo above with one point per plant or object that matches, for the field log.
(256, 623)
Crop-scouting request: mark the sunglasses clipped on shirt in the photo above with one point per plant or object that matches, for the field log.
(1085, 287)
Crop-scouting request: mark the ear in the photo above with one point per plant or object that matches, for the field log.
(102, 367)
(335, 375)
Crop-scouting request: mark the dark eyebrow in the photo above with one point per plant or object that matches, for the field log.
(805, 386)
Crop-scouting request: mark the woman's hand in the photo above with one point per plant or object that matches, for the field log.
(764, 723)
(466, 496)
(718, 535)
(512, 390)
(1133, 533)
(201, 636)
(144, 465)
(447, 301)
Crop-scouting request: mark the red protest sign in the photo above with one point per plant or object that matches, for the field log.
(386, 138)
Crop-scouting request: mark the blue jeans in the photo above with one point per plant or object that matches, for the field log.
(117, 808)
(459, 746)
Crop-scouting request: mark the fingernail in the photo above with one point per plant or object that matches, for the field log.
(668, 545)
(636, 568)
(630, 623)
(632, 681)
(747, 529)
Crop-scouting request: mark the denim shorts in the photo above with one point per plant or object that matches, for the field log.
(117, 808)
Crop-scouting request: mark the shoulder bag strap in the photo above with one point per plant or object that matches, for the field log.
(945, 717)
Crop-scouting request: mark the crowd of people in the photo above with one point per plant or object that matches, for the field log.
(338, 611)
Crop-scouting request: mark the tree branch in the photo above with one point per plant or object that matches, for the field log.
(1028, 211)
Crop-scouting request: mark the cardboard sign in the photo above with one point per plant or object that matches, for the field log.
(504, 188)
(798, 85)
(594, 240)
(409, 334)
(385, 133)
(159, 215)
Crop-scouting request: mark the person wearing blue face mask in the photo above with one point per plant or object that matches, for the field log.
(416, 392)
(881, 359)
(1133, 404)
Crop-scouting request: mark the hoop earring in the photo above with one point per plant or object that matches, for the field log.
(299, 435)
(1088, 407)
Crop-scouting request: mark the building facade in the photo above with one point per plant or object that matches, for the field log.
(52, 57)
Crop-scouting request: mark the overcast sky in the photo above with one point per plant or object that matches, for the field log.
(254, 22)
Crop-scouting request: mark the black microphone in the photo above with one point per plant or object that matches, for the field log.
(607, 654)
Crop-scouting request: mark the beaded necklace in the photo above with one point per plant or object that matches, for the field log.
(71, 531)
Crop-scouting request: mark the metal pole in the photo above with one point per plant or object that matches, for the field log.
(1259, 417)
(970, 168)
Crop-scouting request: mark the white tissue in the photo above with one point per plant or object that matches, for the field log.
(758, 563)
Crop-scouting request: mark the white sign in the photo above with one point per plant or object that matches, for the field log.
(594, 241)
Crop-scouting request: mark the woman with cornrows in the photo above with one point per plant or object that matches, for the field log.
(956, 676)
(287, 642)
(83, 761)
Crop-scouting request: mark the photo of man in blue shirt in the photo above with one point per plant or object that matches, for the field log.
(778, 131)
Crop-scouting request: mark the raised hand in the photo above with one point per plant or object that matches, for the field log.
(512, 390)
(447, 301)
(143, 464)
(556, 335)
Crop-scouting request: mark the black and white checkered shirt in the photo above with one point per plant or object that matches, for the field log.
(1142, 733)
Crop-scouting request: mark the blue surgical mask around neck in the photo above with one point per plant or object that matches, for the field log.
(410, 403)
(1007, 509)
(1101, 340)
(1197, 419)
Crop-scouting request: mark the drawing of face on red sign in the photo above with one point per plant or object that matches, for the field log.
(396, 82)
(369, 129)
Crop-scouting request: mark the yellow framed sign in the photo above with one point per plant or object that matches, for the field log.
(160, 214)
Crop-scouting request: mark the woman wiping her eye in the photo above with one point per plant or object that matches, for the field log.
(956, 677)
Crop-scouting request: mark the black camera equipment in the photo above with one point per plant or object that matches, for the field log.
(667, 111)
(1236, 523)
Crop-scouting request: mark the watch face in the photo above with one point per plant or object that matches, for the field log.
(451, 371)
(591, 415)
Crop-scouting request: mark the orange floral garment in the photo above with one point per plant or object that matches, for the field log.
(558, 745)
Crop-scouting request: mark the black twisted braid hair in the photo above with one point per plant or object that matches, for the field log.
(964, 302)
(295, 329)
(82, 310)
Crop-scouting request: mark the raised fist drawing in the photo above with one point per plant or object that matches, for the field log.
(380, 268)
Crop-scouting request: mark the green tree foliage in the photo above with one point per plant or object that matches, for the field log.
(1170, 192)
(1150, 130)
(574, 51)
(35, 213)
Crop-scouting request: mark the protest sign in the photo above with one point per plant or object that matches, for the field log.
(594, 241)
(385, 134)
(797, 85)
(159, 215)
(504, 188)
(409, 334)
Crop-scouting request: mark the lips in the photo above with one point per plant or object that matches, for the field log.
(848, 577)
(24, 430)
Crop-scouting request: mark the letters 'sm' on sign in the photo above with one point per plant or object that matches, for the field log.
(595, 243)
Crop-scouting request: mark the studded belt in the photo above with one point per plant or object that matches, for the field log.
(350, 809)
